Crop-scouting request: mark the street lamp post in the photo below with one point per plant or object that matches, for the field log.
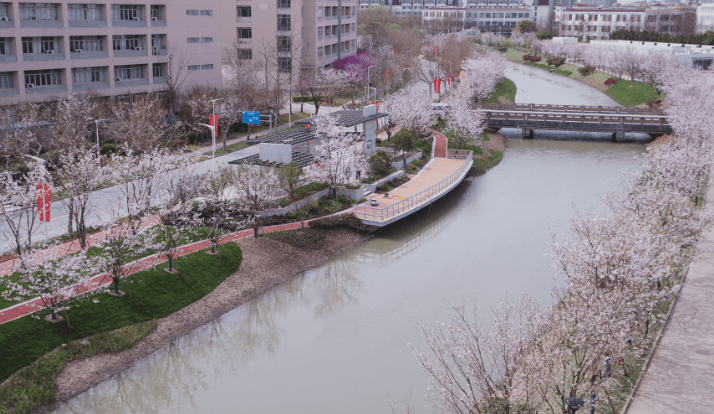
(213, 137)
(389, 60)
(290, 102)
(368, 68)
(99, 154)
(213, 131)
(41, 161)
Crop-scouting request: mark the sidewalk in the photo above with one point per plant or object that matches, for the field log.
(680, 378)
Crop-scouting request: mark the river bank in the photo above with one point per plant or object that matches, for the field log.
(267, 263)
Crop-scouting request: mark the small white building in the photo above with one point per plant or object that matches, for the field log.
(705, 16)
(690, 55)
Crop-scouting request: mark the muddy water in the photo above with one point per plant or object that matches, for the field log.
(335, 339)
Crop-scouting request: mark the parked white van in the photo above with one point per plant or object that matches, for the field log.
(440, 108)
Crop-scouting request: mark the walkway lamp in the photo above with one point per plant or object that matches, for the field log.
(213, 137)
(99, 154)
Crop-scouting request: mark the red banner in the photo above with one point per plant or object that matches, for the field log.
(213, 119)
(44, 202)
(436, 50)
(438, 85)
(376, 103)
(435, 87)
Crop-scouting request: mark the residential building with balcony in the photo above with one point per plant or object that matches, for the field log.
(497, 20)
(325, 29)
(108, 48)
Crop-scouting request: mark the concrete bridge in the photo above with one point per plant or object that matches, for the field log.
(610, 119)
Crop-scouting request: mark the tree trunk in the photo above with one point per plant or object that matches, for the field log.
(225, 139)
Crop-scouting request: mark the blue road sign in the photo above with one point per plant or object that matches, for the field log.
(251, 117)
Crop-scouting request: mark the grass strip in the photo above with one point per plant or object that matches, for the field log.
(630, 93)
(481, 165)
(35, 385)
(230, 148)
(155, 294)
(506, 88)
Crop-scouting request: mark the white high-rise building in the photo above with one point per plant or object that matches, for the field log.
(705, 16)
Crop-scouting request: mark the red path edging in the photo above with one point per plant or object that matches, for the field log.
(34, 305)
(441, 143)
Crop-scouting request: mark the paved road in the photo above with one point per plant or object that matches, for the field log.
(680, 378)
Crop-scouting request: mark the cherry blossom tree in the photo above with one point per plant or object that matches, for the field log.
(59, 280)
(218, 210)
(20, 211)
(406, 112)
(338, 155)
(256, 190)
(78, 174)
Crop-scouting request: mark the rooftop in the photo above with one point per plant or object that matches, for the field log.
(347, 118)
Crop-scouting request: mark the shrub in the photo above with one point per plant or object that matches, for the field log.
(306, 98)
(342, 221)
(587, 70)
(610, 82)
(108, 148)
(379, 165)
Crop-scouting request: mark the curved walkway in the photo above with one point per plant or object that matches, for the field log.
(441, 143)
(33, 305)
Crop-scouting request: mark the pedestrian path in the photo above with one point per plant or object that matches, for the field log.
(33, 305)
(680, 377)
(441, 144)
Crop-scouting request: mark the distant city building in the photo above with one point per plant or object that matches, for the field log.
(586, 23)
(497, 20)
(705, 16)
(690, 55)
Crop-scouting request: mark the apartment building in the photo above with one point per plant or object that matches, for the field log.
(415, 7)
(108, 48)
(691, 55)
(325, 29)
(705, 16)
(497, 20)
(588, 23)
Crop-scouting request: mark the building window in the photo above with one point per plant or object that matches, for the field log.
(352, 43)
(3, 13)
(38, 11)
(245, 54)
(85, 44)
(157, 45)
(245, 33)
(319, 52)
(192, 12)
(194, 67)
(353, 11)
(158, 70)
(353, 27)
(156, 12)
(244, 11)
(87, 75)
(284, 64)
(319, 11)
(126, 12)
(206, 40)
(283, 22)
(5, 48)
(283, 43)
(128, 42)
(122, 73)
(7, 80)
(204, 67)
(320, 31)
(43, 77)
(84, 12)
(206, 12)
(32, 45)
(193, 40)
(284, 4)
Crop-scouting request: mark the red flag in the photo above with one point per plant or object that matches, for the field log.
(438, 88)
(44, 202)
(214, 123)
(435, 87)
(436, 50)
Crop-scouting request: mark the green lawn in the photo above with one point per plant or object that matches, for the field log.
(229, 148)
(505, 88)
(481, 165)
(155, 293)
(629, 93)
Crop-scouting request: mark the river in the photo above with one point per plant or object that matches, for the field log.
(335, 339)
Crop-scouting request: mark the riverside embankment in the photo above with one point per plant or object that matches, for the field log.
(335, 337)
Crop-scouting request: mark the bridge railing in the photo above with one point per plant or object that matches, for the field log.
(570, 108)
(585, 118)
(391, 211)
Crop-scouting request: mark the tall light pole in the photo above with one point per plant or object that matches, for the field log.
(390, 60)
(214, 132)
(213, 136)
(99, 154)
(368, 68)
(41, 161)
(290, 103)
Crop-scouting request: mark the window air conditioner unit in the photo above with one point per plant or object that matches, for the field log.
(153, 19)
(4, 18)
(137, 47)
(50, 52)
(30, 85)
(136, 19)
(117, 79)
(79, 51)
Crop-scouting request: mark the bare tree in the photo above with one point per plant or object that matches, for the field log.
(174, 63)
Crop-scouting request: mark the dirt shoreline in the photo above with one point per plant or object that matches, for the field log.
(267, 263)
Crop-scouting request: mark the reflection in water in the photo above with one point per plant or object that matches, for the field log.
(334, 338)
